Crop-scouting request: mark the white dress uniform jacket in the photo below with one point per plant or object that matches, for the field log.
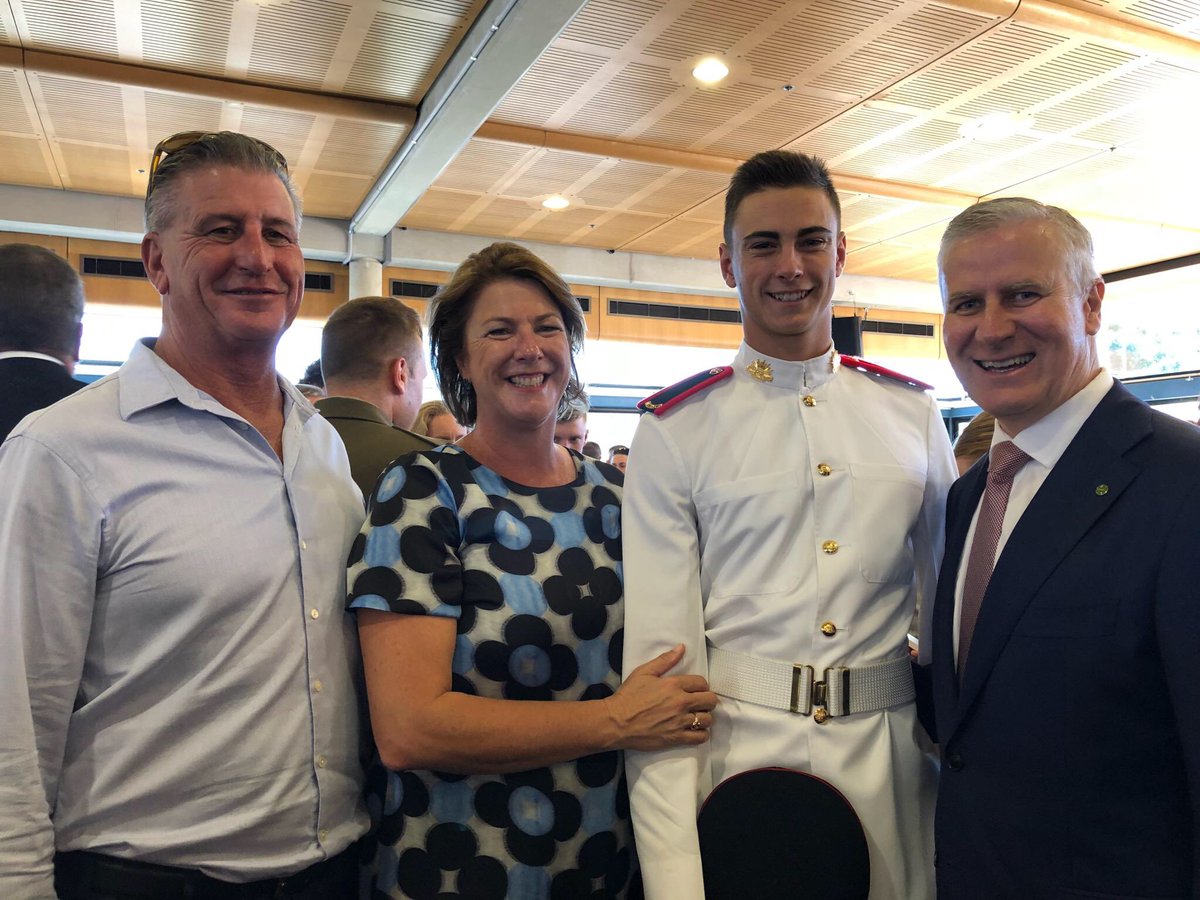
(755, 513)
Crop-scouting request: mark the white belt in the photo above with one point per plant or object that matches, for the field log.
(791, 686)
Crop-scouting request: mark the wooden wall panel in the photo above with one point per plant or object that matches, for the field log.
(50, 242)
(106, 288)
(319, 304)
(667, 331)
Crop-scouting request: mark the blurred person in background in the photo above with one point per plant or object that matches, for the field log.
(41, 323)
(374, 366)
(571, 430)
(435, 421)
(618, 455)
(974, 441)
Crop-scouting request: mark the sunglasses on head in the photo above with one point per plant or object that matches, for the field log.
(618, 449)
(177, 142)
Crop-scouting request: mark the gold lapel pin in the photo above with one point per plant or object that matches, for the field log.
(760, 370)
(1101, 490)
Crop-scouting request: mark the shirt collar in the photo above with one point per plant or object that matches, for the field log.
(802, 375)
(147, 381)
(1047, 439)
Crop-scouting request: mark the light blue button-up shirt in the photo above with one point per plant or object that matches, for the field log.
(178, 675)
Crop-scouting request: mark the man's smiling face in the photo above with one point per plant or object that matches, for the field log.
(784, 258)
(1019, 327)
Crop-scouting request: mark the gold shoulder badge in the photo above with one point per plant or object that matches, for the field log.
(669, 397)
(760, 370)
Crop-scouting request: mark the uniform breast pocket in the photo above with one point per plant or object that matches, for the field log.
(887, 501)
(748, 535)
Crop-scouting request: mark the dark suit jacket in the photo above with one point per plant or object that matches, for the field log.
(372, 442)
(28, 384)
(1071, 757)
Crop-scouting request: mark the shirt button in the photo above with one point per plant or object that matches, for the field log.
(314, 613)
(323, 835)
(830, 547)
(304, 545)
(828, 629)
(954, 762)
(823, 469)
(244, 426)
(810, 400)
(321, 762)
(317, 685)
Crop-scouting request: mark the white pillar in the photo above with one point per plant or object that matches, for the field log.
(366, 278)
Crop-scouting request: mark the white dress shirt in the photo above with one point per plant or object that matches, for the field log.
(179, 675)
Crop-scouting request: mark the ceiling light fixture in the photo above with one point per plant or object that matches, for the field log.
(710, 70)
(556, 202)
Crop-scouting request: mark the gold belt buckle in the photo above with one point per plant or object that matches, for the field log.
(802, 693)
(809, 696)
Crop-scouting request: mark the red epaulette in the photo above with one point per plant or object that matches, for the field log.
(669, 397)
(883, 372)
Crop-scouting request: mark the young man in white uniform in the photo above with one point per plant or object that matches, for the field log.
(787, 512)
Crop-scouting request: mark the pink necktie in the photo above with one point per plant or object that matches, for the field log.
(1005, 460)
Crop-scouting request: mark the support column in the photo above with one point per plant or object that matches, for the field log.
(366, 278)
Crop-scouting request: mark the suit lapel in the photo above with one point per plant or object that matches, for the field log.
(1060, 515)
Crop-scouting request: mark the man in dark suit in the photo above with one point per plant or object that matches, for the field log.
(1066, 637)
(374, 364)
(41, 311)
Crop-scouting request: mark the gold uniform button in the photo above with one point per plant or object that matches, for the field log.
(823, 469)
(820, 715)
(830, 547)
(810, 400)
(317, 686)
(828, 629)
(314, 613)
(323, 835)
(321, 762)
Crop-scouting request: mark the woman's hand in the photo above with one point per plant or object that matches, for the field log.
(653, 710)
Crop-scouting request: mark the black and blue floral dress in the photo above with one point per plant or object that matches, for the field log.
(533, 578)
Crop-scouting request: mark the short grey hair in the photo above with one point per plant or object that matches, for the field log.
(989, 214)
(222, 148)
(41, 301)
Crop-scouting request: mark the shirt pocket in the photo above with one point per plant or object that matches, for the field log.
(887, 501)
(748, 535)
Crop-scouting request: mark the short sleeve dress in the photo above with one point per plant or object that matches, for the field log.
(533, 578)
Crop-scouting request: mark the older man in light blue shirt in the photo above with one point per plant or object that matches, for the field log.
(180, 704)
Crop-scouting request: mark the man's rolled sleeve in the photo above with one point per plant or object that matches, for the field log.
(50, 525)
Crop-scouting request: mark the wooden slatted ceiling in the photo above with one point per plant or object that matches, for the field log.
(191, 36)
(878, 87)
(94, 137)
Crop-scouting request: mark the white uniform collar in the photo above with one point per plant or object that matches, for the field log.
(803, 375)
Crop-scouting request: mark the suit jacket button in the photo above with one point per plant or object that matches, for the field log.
(954, 762)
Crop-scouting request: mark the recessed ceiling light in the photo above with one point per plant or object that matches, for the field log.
(995, 126)
(556, 201)
(710, 70)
